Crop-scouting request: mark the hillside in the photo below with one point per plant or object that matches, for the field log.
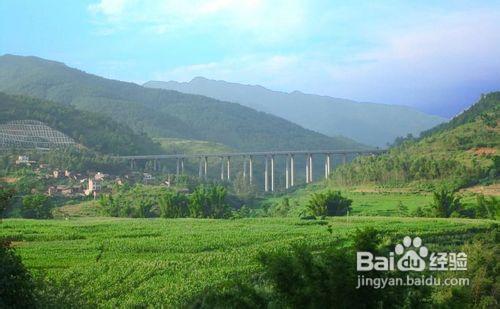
(369, 123)
(97, 132)
(463, 152)
(159, 113)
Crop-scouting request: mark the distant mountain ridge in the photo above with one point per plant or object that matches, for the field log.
(369, 123)
(160, 113)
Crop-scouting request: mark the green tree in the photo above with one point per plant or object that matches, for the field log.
(487, 207)
(445, 203)
(402, 209)
(209, 202)
(16, 284)
(36, 206)
(330, 203)
(5, 199)
(173, 205)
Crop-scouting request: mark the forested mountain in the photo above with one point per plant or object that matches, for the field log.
(97, 132)
(369, 123)
(159, 113)
(462, 152)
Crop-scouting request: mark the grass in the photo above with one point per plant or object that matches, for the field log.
(176, 145)
(127, 262)
(367, 200)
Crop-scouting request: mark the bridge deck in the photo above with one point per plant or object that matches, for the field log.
(256, 153)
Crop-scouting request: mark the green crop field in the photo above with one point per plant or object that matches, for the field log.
(126, 262)
(366, 200)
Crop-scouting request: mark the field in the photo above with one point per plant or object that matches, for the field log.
(130, 262)
(366, 200)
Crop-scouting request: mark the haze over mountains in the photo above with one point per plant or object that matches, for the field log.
(160, 113)
(369, 123)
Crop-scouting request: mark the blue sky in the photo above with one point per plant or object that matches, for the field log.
(438, 56)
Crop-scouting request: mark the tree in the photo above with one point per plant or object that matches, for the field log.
(36, 206)
(402, 209)
(445, 203)
(16, 284)
(330, 203)
(487, 207)
(173, 205)
(209, 202)
(5, 198)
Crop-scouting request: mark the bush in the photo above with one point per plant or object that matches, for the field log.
(36, 206)
(330, 203)
(16, 284)
(445, 203)
(209, 202)
(173, 205)
(5, 198)
(487, 207)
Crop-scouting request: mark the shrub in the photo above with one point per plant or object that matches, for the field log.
(445, 203)
(5, 198)
(173, 205)
(330, 203)
(209, 202)
(16, 284)
(487, 207)
(36, 206)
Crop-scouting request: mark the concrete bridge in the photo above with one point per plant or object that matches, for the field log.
(270, 158)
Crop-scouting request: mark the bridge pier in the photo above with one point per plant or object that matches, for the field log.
(228, 162)
(200, 168)
(250, 169)
(245, 170)
(272, 173)
(307, 169)
(344, 158)
(287, 172)
(292, 170)
(205, 167)
(327, 165)
(266, 176)
(178, 167)
(222, 168)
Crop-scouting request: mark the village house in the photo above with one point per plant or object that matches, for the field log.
(24, 160)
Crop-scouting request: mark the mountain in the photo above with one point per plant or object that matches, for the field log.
(460, 153)
(159, 113)
(95, 131)
(369, 123)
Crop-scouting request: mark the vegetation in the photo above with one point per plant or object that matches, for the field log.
(209, 202)
(93, 130)
(36, 206)
(5, 199)
(461, 153)
(306, 278)
(159, 113)
(487, 207)
(446, 204)
(142, 202)
(140, 262)
(17, 288)
(330, 203)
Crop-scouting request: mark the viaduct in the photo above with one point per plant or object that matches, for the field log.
(248, 163)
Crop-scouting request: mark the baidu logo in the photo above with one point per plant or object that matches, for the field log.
(411, 255)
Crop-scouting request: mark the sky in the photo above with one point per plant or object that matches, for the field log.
(438, 56)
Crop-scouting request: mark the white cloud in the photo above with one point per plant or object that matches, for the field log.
(109, 8)
(268, 21)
